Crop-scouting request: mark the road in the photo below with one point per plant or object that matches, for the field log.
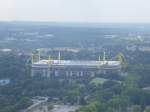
(64, 108)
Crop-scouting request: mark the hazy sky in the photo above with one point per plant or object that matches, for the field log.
(76, 10)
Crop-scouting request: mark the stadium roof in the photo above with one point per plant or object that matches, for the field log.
(77, 63)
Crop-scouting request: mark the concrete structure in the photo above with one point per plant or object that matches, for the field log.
(4, 82)
(37, 102)
(73, 68)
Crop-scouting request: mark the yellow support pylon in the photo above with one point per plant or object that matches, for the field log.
(39, 54)
(59, 57)
(49, 65)
(99, 58)
(32, 58)
(49, 60)
(104, 57)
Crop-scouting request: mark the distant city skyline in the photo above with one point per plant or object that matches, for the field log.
(76, 10)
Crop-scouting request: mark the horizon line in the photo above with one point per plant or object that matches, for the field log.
(82, 22)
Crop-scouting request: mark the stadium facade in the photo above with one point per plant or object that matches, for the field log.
(74, 68)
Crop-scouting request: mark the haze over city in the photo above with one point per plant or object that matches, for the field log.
(75, 10)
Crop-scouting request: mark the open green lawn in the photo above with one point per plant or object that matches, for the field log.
(97, 81)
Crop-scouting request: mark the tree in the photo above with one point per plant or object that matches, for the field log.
(136, 108)
(50, 107)
(119, 103)
(131, 81)
(147, 109)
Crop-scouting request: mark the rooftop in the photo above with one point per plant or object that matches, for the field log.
(77, 63)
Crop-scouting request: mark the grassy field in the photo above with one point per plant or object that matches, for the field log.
(97, 81)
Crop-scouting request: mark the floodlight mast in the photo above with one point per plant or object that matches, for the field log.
(59, 56)
(104, 57)
(32, 58)
(39, 54)
(49, 65)
(99, 59)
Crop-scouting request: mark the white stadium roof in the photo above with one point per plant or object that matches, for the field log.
(77, 63)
